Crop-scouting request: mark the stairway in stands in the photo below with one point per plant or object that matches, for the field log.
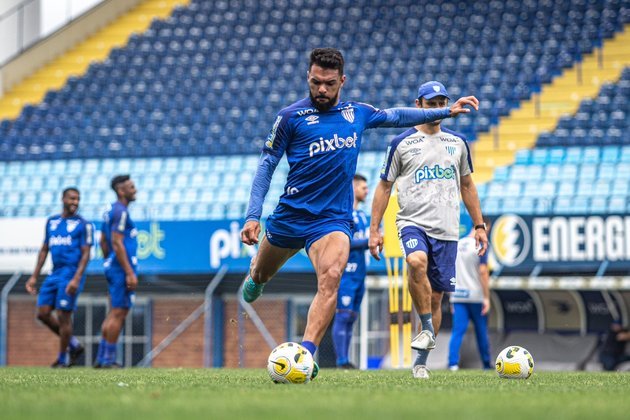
(76, 61)
(541, 112)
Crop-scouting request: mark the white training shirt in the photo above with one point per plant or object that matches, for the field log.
(468, 288)
(427, 169)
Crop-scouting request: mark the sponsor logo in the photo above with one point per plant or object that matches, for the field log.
(227, 244)
(452, 280)
(450, 150)
(414, 141)
(150, 243)
(511, 240)
(63, 303)
(272, 135)
(449, 139)
(348, 115)
(520, 307)
(312, 119)
(411, 243)
(306, 111)
(72, 225)
(414, 152)
(384, 167)
(436, 88)
(292, 190)
(330, 145)
(437, 172)
(60, 240)
(54, 224)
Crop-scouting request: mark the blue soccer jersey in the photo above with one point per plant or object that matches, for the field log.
(322, 150)
(65, 238)
(358, 258)
(117, 220)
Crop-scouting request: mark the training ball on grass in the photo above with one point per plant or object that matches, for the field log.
(290, 363)
(514, 362)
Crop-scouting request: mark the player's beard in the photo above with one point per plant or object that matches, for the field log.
(323, 106)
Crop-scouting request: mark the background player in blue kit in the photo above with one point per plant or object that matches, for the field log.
(471, 300)
(352, 285)
(119, 244)
(68, 238)
(321, 137)
(431, 167)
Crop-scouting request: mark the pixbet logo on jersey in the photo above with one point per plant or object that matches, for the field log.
(329, 145)
(437, 172)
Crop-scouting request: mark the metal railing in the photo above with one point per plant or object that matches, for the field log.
(4, 316)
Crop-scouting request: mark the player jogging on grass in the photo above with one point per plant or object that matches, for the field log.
(68, 238)
(432, 166)
(119, 244)
(321, 137)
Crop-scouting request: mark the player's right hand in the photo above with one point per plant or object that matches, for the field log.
(250, 232)
(459, 106)
(376, 244)
(132, 281)
(30, 285)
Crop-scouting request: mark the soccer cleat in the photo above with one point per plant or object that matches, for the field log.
(251, 290)
(315, 370)
(59, 365)
(421, 372)
(75, 354)
(453, 368)
(423, 341)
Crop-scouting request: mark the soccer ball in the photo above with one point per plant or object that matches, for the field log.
(290, 363)
(514, 362)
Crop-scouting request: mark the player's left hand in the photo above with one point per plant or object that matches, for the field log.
(481, 241)
(485, 306)
(459, 106)
(72, 286)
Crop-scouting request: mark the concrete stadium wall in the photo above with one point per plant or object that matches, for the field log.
(61, 41)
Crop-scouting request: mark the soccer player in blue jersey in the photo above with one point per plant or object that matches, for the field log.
(352, 285)
(68, 238)
(432, 166)
(119, 244)
(321, 137)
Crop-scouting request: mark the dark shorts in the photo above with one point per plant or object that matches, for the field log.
(295, 231)
(120, 296)
(441, 256)
(53, 290)
(351, 291)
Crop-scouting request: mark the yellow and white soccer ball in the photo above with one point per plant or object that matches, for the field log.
(290, 363)
(515, 362)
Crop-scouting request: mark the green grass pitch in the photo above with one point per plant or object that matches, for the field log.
(41, 393)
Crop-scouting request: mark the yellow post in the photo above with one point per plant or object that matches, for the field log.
(394, 260)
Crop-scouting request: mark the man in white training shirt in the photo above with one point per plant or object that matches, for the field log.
(471, 301)
(431, 166)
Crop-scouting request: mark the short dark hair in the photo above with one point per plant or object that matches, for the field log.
(67, 190)
(359, 177)
(328, 58)
(119, 179)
